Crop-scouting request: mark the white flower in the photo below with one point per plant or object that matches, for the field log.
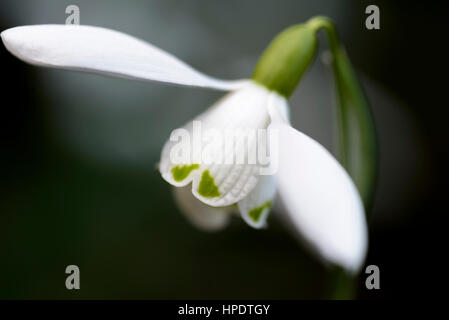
(320, 199)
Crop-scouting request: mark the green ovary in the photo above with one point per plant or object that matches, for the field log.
(286, 59)
(255, 213)
(207, 187)
(181, 172)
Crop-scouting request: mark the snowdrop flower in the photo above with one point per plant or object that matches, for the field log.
(321, 201)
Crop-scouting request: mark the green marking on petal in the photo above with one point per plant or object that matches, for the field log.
(207, 187)
(255, 213)
(181, 172)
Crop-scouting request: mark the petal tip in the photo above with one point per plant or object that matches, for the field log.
(15, 42)
(4, 35)
(321, 201)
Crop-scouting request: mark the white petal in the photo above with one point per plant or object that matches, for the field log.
(95, 49)
(242, 110)
(255, 207)
(321, 200)
(202, 216)
(278, 109)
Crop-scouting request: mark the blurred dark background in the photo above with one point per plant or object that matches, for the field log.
(78, 183)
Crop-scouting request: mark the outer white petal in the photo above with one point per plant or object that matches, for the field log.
(199, 214)
(278, 109)
(255, 207)
(95, 49)
(242, 110)
(321, 200)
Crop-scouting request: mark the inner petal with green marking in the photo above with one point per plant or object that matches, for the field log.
(207, 187)
(256, 213)
(181, 172)
(221, 168)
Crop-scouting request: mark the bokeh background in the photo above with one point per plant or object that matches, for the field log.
(78, 178)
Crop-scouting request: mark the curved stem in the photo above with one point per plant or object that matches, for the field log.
(318, 23)
(357, 143)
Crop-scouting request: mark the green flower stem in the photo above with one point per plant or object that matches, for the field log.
(341, 285)
(357, 143)
(283, 64)
(281, 67)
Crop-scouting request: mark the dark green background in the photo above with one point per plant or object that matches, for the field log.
(78, 153)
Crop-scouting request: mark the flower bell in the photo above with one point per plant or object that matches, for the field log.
(320, 198)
